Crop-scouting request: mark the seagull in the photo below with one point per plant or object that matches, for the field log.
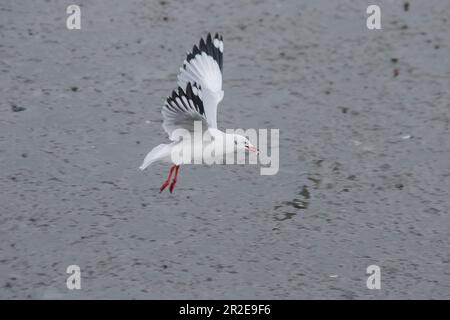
(196, 98)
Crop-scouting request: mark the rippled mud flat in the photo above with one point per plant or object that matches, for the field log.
(364, 178)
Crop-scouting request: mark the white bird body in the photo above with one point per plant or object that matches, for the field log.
(199, 92)
(163, 152)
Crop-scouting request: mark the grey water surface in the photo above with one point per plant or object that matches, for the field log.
(364, 178)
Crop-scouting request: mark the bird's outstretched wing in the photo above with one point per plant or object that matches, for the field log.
(204, 66)
(182, 109)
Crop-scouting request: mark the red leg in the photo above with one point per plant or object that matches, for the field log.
(166, 183)
(174, 182)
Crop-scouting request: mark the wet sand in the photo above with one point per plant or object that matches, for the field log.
(364, 119)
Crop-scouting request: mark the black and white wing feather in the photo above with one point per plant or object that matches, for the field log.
(204, 66)
(182, 108)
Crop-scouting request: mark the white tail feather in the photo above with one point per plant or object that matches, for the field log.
(154, 155)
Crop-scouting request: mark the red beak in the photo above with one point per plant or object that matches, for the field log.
(253, 149)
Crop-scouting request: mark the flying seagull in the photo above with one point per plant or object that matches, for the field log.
(196, 99)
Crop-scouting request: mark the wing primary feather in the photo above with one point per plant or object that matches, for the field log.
(195, 50)
(209, 49)
(203, 45)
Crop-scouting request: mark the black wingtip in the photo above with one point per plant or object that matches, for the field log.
(209, 47)
(195, 50)
(188, 89)
(180, 92)
(202, 45)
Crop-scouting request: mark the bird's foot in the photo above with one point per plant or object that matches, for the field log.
(164, 185)
(172, 185)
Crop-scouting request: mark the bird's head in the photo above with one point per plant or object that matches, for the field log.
(242, 142)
